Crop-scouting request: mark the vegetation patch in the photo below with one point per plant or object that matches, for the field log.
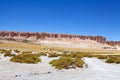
(17, 51)
(26, 52)
(7, 53)
(42, 54)
(26, 58)
(54, 55)
(102, 57)
(66, 63)
(113, 60)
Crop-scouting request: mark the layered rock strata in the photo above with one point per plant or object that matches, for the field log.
(42, 35)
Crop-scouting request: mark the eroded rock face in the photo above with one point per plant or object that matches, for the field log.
(43, 35)
(113, 43)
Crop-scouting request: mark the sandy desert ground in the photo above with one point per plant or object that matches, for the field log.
(97, 70)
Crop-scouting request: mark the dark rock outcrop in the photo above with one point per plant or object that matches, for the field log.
(113, 43)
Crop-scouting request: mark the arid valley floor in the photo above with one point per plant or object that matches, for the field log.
(96, 69)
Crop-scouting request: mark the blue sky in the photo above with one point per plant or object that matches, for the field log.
(83, 17)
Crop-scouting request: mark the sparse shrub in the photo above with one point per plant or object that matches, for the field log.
(102, 57)
(110, 60)
(65, 55)
(113, 60)
(78, 62)
(90, 56)
(7, 53)
(16, 51)
(26, 58)
(54, 55)
(66, 63)
(0, 50)
(117, 60)
(77, 55)
(42, 54)
(27, 52)
(73, 55)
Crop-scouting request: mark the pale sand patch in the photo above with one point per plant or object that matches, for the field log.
(97, 70)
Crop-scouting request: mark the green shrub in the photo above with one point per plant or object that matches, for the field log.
(27, 52)
(102, 57)
(42, 54)
(78, 62)
(77, 55)
(0, 50)
(65, 55)
(26, 58)
(117, 60)
(91, 56)
(16, 51)
(54, 55)
(110, 60)
(113, 60)
(73, 55)
(7, 53)
(66, 63)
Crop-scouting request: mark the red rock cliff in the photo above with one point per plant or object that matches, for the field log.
(43, 35)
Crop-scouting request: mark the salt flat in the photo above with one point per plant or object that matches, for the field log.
(97, 70)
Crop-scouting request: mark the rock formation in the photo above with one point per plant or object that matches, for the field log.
(42, 35)
(113, 43)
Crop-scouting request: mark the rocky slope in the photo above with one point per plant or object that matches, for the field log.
(57, 39)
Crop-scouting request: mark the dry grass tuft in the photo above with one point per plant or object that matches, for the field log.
(113, 60)
(66, 63)
(7, 53)
(26, 58)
